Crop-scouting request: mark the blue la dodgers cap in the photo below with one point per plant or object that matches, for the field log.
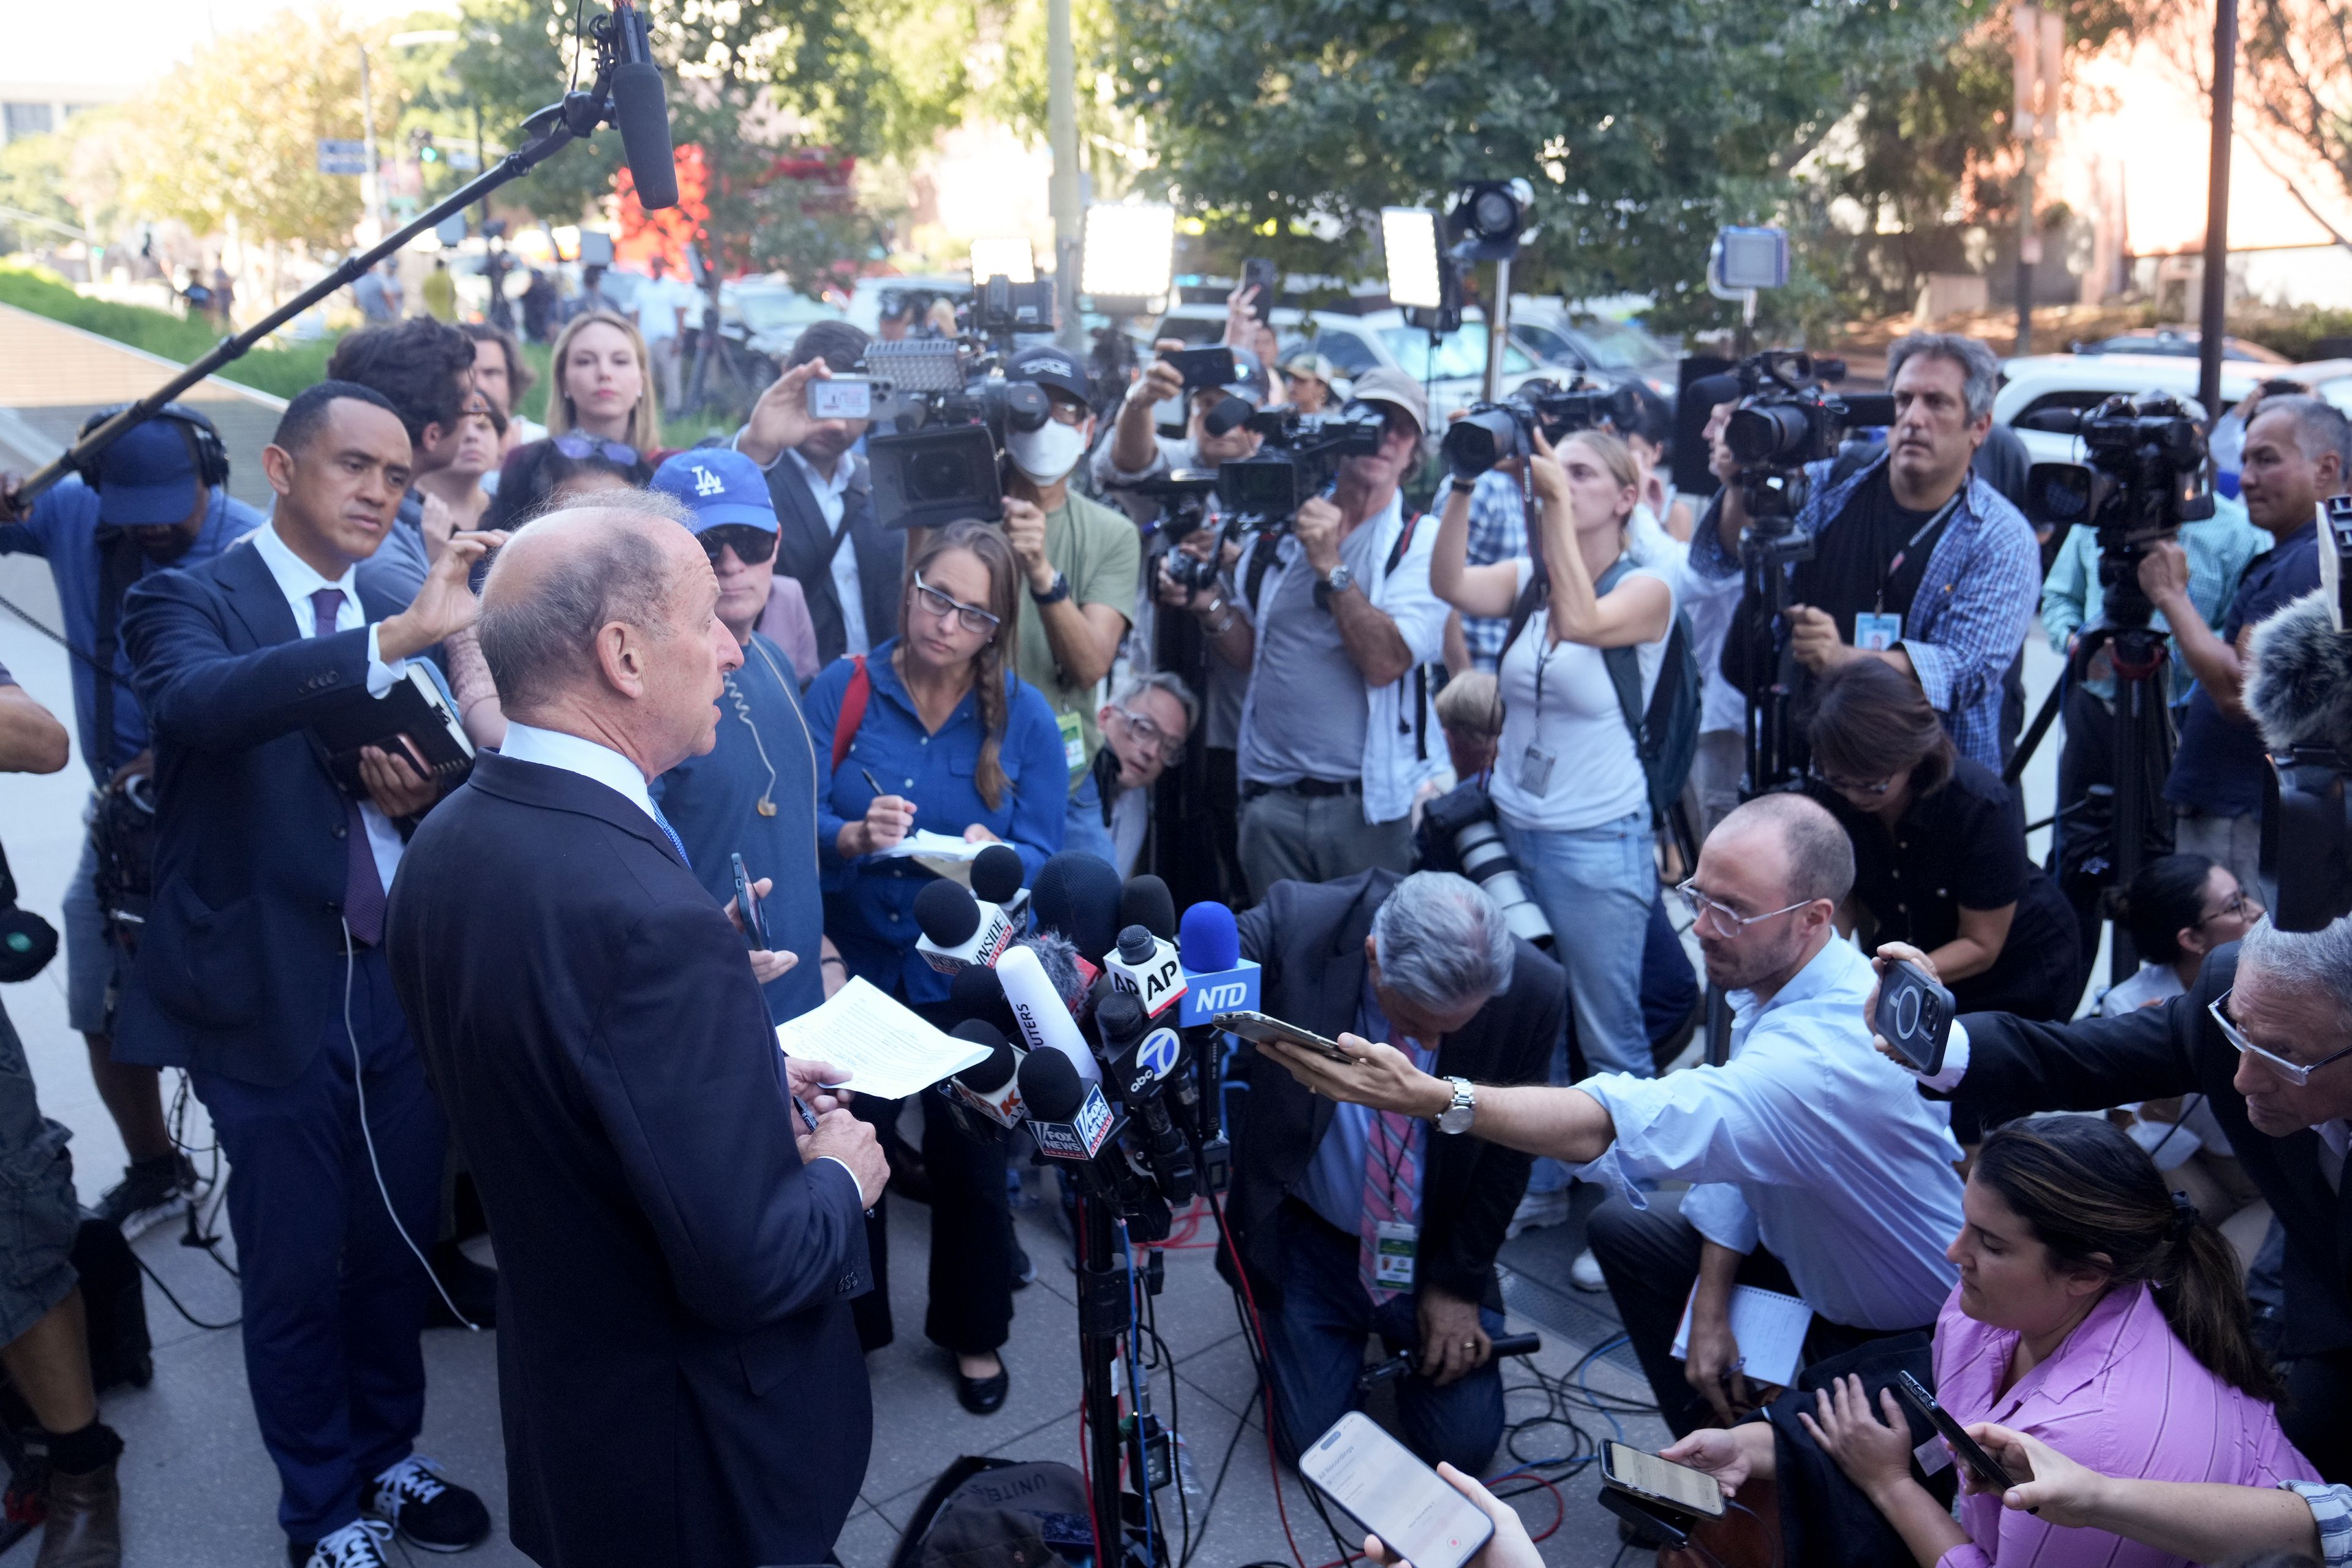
(721, 486)
(147, 476)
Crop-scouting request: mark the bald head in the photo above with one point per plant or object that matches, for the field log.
(564, 577)
(1814, 856)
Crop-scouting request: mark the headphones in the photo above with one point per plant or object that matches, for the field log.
(212, 454)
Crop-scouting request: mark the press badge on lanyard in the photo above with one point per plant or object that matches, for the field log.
(1074, 740)
(1535, 762)
(1392, 1253)
(1877, 633)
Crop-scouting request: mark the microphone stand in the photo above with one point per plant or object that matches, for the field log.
(1105, 1316)
(557, 126)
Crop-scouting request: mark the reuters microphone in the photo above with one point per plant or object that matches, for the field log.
(1218, 979)
(1044, 1019)
(990, 1086)
(959, 931)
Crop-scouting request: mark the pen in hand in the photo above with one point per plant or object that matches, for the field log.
(871, 781)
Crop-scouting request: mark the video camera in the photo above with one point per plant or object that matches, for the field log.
(951, 407)
(1493, 433)
(2147, 474)
(1299, 458)
(1788, 420)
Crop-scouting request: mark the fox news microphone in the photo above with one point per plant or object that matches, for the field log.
(641, 111)
(959, 931)
(990, 1086)
(1218, 979)
(1044, 1019)
(1068, 1116)
(1140, 1059)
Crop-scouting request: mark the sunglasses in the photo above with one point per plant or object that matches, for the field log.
(575, 445)
(971, 617)
(751, 545)
(2296, 1073)
(1848, 786)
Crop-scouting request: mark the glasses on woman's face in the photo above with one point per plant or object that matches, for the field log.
(1710, 914)
(2237, 904)
(1848, 786)
(2296, 1073)
(751, 546)
(971, 617)
(575, 445)
(1151, 734)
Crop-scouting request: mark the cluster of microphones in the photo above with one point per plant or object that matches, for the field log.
(1094, 1003)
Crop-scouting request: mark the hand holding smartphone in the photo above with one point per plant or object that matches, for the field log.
(1262, 1026)
(1914, 1016)
(747, 909)
(1966, 1448)
(1409, 1506)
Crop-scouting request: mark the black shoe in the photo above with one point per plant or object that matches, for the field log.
(984, 1395)
(428, 1512)
(151, 1192)
(473, 1288)
(1023, 1270)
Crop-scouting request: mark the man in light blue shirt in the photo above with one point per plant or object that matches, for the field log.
(1818, 1169)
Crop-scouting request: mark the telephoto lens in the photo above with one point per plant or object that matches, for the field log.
(1487, 860)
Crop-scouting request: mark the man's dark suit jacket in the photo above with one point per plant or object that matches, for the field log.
(678, 1373)
(805, 548)
(1309, 939)
(240, 965)
(2016, 1067)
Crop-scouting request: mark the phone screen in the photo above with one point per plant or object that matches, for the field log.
(841, 399)
(1678, 1486)
(1396, 1497)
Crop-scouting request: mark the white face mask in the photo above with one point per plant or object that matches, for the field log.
(1048, 452)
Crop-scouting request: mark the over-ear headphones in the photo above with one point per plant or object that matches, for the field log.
(212, 453)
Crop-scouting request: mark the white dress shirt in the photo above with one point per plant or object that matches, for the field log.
(298, 582)
(554, 749)
(1808, 1141)
(833, 500)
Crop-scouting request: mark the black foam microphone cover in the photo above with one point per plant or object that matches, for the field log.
(975, 992)
(1050, 1085)
(996, 873)
(988, 1077)
(1120, 1018)
(1709, 390)
(1226, 415)
(946, 913)
(642, 112)
(1146, 901)
(1077, 895)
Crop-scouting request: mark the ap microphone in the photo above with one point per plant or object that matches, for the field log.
(1147, 969)
(642, 112)
(988, 1087)
(959, 931)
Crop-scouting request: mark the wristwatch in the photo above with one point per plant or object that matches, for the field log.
(1055, 595)
(1456, 1117)
(1339, 580)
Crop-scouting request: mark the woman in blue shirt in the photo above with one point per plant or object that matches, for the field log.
(959, 745)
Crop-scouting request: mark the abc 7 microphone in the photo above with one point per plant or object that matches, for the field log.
(1142, 1061)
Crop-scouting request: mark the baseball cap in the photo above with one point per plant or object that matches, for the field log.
(148, 476)
(1316, 366)
(1049, 366)
(720, 486)
(1396, 389)
(1249, 382)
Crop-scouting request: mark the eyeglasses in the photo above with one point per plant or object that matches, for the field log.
(2296, 1073)
(1072, 414)
(971, 617)
(1850, 786)
(2238, 904)
(1725, 920)
(751, 545)
(1151, 734)
(576, 445)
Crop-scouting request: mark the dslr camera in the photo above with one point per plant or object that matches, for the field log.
(1183, 495)
(1493, 433)
(1787, 419)
(1459, 833)
(1300, 457)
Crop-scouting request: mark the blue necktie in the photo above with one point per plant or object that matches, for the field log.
(674, 841)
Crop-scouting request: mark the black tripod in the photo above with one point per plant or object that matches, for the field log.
(1107, 1317)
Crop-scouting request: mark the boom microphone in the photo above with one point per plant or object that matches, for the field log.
(641, 111)
(2300, 689)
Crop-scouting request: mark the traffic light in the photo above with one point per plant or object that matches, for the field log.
(420, 141)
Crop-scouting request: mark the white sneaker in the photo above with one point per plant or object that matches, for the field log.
(1585, 1272)
(358, 1544)
(1538, 1210)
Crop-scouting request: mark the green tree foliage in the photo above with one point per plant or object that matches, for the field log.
(513, 58)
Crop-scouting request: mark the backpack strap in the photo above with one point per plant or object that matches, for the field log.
(1626, 666)
(852, 710)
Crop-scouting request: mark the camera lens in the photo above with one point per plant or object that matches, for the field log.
(1770, 433)
(1479, 848)
(1480, 439)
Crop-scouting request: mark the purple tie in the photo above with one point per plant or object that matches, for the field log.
(362, 883)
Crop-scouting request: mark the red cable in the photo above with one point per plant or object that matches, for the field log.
(1559, 1504)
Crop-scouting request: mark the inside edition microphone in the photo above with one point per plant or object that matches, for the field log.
(958, 930)
(641, 111)
(988, 1087)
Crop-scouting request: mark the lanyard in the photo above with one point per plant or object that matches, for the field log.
(1887, 568)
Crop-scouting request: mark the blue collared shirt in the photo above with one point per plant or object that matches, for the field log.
(1333, 1183)
(63, 530)
(1499, 531)
(870, 901)
(1968, 620)
(2218, 549)
(1807, 1141)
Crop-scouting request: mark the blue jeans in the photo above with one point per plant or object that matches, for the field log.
(1596, 886)
(1083, 831)
(1316, 1344)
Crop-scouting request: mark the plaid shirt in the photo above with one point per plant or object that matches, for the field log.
(2331, 1511)
(1499, 531)
(1968, 621)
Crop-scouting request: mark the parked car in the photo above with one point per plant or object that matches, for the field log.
(2179, 343)
(1604, 349)
(764, 316)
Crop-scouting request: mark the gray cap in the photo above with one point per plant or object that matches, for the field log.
(1396, 389)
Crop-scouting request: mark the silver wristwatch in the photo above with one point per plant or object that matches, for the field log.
(1456, 1117)
(1339, 580)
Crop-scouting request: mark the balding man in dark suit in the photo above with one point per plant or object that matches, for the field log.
(680, 1379)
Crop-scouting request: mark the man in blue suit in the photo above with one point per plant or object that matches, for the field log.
(679, 1378)
(261, 970)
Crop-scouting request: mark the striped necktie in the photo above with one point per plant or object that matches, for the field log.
(674, 841)
(1391, 1192)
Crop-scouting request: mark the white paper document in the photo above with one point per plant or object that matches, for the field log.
(888, 1050)
(1769, 1328)
(937, 853)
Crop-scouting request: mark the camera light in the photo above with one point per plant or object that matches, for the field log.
(1129, 251)
(1416, 273)
(1006, 256)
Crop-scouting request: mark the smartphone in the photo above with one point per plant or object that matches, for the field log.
(1203, 367)
(1661, 1481)
(1396, 1497)
(841, 397)
(1970, 1452)
(755, 930)
(1262, 1026)
(1258, 273)
(1915, 1016)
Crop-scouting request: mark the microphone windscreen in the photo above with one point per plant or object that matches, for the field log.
(1050, 1086)
(1078, 896)
(1119, 1017)
(1208, 940)
(643, 114)
(1709, 390)
(996, 873)
(2299, 691)
(1058, 957)
(976, 993)
(947, 913)
(1868, 410)
(1227, 414)
(987, 1077)
(1146, 901)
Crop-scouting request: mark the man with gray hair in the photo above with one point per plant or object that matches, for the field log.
(1144, 730)
(2265, 1036)
(1351, 1223)
(1916, 560)
(664, 1210)
(1816, 1169)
